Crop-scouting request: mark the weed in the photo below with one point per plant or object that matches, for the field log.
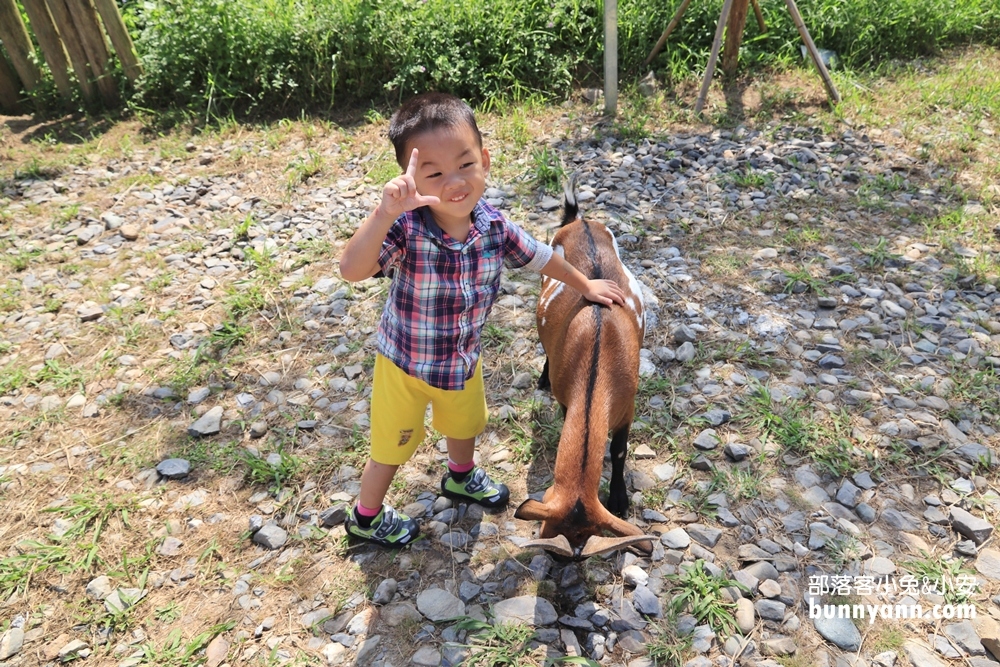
(91, 512)
(548, 170)
(802, 280)
(175, 652)
(948, 577)
(62, 377)
(168, 613)
(668, 648)
(751, 179)
(160, 281)
(700, 593)
(242, 231)
(496, 339)
(303, 168)
(501, 644)
(878, 255)
(228, 334)
(843, 550)
(277, 474)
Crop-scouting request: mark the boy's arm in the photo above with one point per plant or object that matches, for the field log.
(598, 291)
(360, 258)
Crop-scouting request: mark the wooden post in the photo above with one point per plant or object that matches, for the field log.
(77, 56)
(734, 35)
(666, 33)
(52, 47)
(710, 70)
(15, 38)
(9, 87)
(610, 57)
(85, 20)
(759, 14)
(120, 38)
(811, 48)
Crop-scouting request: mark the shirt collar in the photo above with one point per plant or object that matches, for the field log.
(481, 222)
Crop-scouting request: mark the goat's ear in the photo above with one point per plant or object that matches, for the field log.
(532, 510)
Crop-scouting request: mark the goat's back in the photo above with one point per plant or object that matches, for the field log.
(580, 336)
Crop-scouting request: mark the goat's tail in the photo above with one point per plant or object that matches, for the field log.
(571, 211)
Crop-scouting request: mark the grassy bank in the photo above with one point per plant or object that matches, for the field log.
(217, 56)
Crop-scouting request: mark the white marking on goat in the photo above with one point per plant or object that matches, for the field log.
(550, 291)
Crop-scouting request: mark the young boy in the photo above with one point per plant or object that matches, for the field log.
(443, 247)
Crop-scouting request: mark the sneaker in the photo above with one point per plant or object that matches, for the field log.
(389, 528)
(477, 487)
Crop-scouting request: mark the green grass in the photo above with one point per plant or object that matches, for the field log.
(547, 170)
(697, 592)
(953, 580)
(497, 644)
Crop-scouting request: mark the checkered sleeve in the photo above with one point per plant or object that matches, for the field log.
(521, 249)
(393, 248)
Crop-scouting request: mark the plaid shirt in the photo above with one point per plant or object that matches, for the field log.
(442, 290)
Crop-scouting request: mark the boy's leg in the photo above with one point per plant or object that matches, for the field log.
(461, 416)
(397, 415)
(375, 481)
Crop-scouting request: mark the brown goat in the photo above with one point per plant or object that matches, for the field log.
(592, 366)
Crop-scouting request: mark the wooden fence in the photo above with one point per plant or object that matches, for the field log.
(71, 34)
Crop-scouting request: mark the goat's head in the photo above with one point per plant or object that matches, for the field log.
(577, 532)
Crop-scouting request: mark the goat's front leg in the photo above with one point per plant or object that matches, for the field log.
(618, 494)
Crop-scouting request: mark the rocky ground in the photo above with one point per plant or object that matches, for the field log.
(185, 378)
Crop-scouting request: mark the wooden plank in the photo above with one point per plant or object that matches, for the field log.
(610, 57)
(710, 69)
(85, 19)
(71, 40)
(734, 35)
(831, 89)
(15, 39)
(50, 44)
(666, 33)
(120, 39)
(10, 87)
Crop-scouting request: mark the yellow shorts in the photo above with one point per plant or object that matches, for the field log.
(399, 402)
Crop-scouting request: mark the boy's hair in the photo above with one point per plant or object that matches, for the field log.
(426, 112)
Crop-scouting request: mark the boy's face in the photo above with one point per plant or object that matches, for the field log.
(452, 166)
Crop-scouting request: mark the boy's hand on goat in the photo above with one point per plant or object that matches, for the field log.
(604, 291)
(400, 194)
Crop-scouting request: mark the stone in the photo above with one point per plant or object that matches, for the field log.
(841, 632)
(921, 656)
(174, 468)
(438, 604)
(11, 643)
(271, 536)
(770, 610)
(975, 528)
(744, 615)
(988, 564)
(676, 539)
(704, 535)
(525, 609)
(964, 635)
(209, 423)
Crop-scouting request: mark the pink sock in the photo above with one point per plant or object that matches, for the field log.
(460, 467)
(367, 511)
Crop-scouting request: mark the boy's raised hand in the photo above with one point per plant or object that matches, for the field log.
(400, 194)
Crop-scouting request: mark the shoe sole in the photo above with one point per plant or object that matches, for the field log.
(469, 499)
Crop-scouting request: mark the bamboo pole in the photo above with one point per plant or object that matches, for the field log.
(9, 87)
(610, 57)
(734, 35)
(759, 14)
(77, 56)
(50, 44)
(710, 70)
(85, 20)
(120, 38)
(811, 47)
(15, 38)
(666, 33)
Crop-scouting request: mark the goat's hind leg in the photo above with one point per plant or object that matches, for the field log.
(617, 494)
(543, 379)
